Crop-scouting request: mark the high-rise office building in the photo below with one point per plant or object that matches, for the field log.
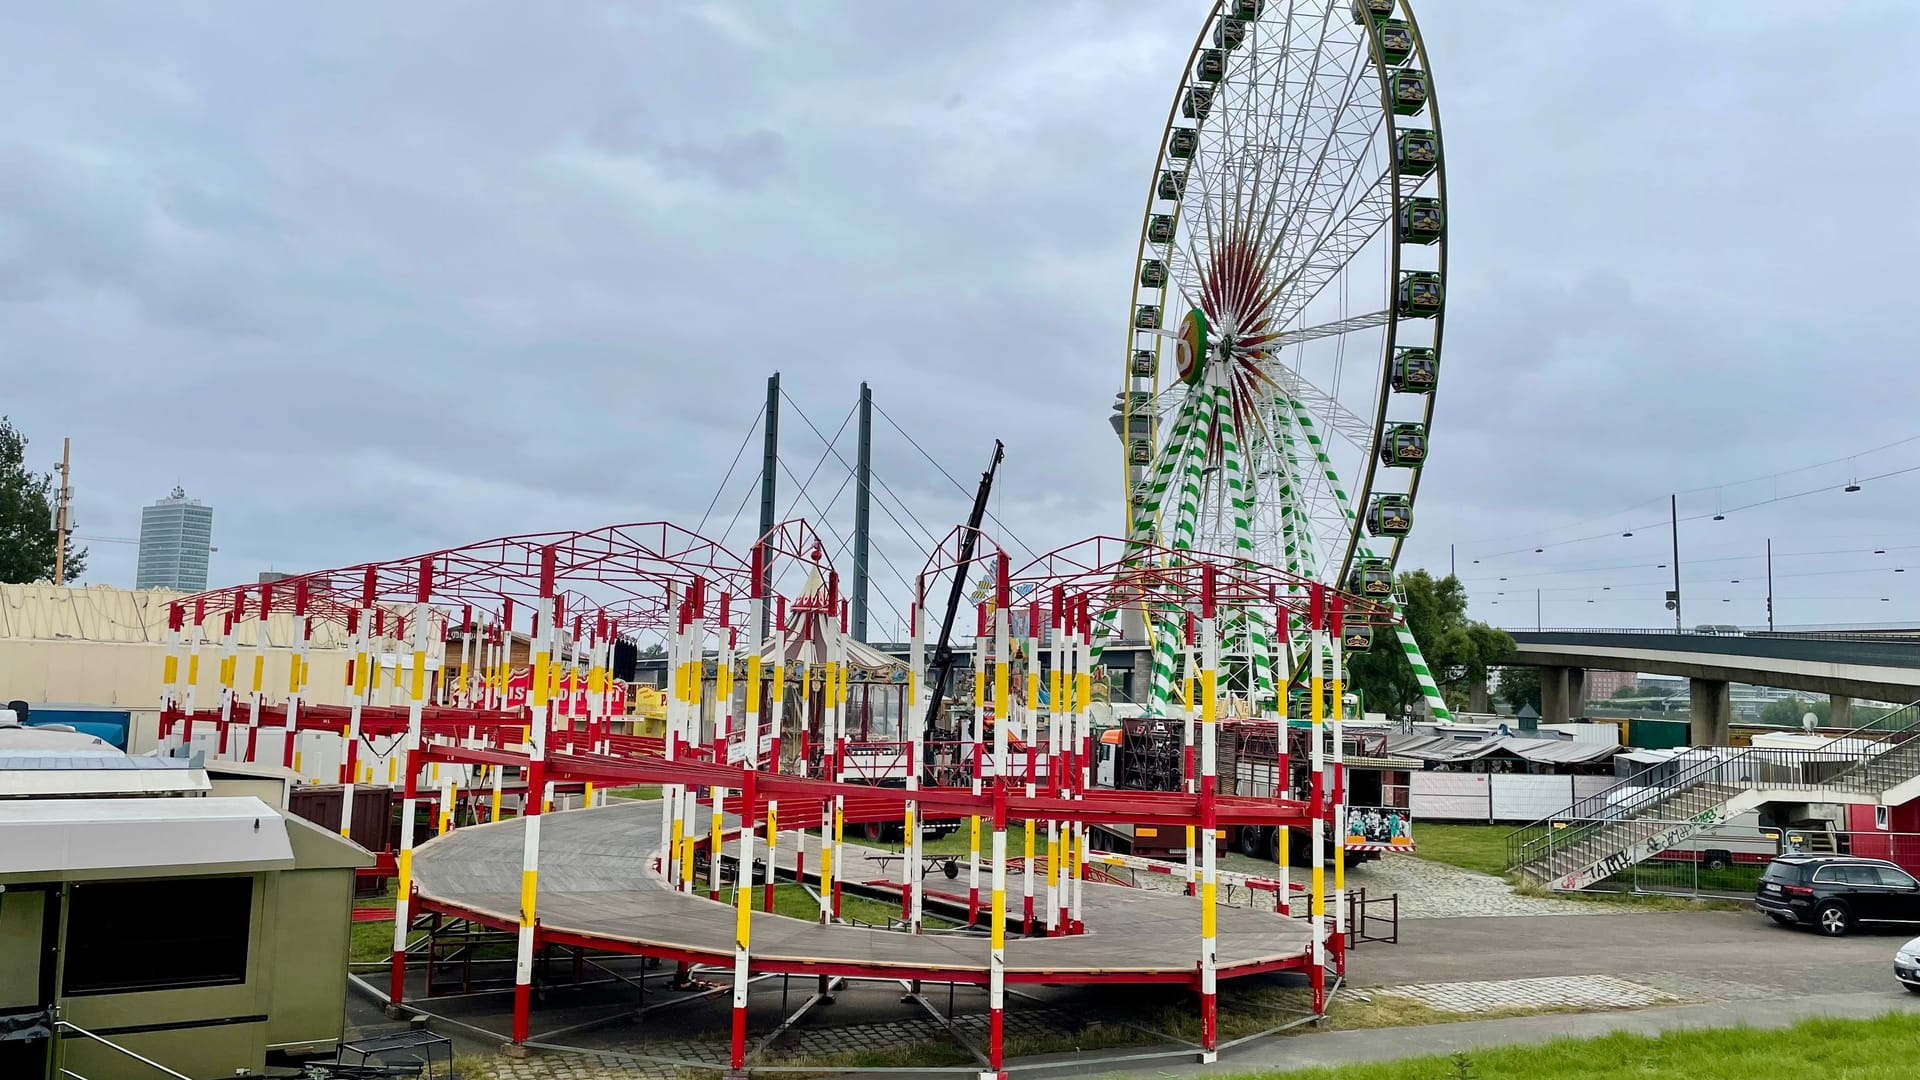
(176, 535)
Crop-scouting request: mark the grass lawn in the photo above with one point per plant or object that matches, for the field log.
(1879, 1049)
(637, 791)
(1482, 848)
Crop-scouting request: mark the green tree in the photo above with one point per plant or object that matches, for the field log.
(1519, 686)
(1459, 651)
(654, 651)
(1629, 691)
(1787, 712)
(26, 516)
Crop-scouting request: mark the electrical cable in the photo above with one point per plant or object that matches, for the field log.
(1733, 483)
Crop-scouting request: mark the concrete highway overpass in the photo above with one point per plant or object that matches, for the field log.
(1877, 665)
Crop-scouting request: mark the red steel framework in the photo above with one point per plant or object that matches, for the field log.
(620, 581)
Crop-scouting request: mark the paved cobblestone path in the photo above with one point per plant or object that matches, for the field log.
(1577, 992)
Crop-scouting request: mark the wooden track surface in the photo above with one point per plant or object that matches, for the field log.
(597, 880)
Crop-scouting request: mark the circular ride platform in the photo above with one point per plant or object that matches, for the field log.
(599, 889)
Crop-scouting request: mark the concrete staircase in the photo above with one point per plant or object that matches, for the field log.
(1604, 834)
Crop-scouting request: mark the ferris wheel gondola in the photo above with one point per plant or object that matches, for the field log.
(1289, 294)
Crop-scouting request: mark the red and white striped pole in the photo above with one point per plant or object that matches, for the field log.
(410, 771)
(260, 644)
(910, 876)
(980, 676)
(776, 717)
(749, 818)
(297, 669)
(1190, 677)
(997, 966)
(1057, 713)
(1029, 735)
(359, 623)
(1283, 783)
(541, 658)
(1083, 678)
(230, 658)
(840, 676)
(1338, 802)
(723, 738)
(1316, 689)
(193, 672)
(1209, 813)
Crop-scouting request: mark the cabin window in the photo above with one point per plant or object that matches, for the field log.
(126, 936)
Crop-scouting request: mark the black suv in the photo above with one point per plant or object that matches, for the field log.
(1835, 893)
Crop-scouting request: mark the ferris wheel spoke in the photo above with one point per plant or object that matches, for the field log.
(1337, 417)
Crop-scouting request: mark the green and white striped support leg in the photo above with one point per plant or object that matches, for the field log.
(1421, 673)
(1250, 635)
(1428, 688)
(1187, 482)
(1147, 514)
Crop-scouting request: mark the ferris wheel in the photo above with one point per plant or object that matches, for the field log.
(1288, 300)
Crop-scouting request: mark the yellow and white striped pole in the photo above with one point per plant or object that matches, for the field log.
(1209, 813)
(410, 794)
(538, 688)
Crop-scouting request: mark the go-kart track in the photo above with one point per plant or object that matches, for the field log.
(601, 888)
(1267, 358)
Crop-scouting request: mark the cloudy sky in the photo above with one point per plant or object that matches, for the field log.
(375, 279)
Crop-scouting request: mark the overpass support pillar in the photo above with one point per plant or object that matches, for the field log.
(1555, 687)
(1712, 708)
(1842, 714)
(1576, 692)
(1477, 698)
